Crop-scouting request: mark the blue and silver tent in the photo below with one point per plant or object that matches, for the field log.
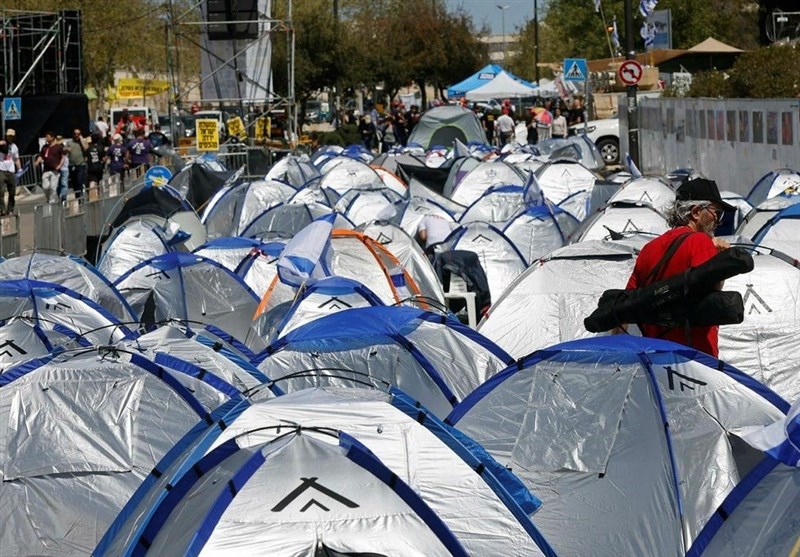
(539, 230)
(80, 433)
(253, 260)
(432, 357)
(781, 182)
(482, 505)
(782, 232)
(191, 289)
(631, 443)
(72, 272)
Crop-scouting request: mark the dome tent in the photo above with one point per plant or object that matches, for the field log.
(251, 259)
(628, 441)
(56, 308)
(72, 272)
(293, 170)
(130, 244)
(499, 257)
(81, 433)
(761, 214)
(759, 517)
(444, 124)
(189, 288)
(562, 289)
(484, 176)
(233, 208)
(432, 357)
(22, 339)
(180, 348)
(410, 255)
(319, 298)
(782, 232)
(539, 230)
(620, 218)
(438, 463)
(782, 182)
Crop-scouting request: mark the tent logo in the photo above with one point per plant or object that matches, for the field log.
(755, 301)
(481, 239)
(11, 345)
(566, 172)
(335, 303)
(58, 306)
(311, 483)
(645, 198)
(384, 239)
(630, 226)
(672, 374)
(157, 274)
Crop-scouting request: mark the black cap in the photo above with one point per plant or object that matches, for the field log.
(701, 189)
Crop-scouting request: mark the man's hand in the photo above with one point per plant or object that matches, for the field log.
(720, 244)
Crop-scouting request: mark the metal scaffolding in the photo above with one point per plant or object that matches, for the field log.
(41, 53)
(235, 41)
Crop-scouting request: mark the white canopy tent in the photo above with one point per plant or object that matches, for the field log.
(503, 85)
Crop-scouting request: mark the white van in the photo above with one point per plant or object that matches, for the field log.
(142, 117)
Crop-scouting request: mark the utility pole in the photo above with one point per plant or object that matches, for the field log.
(536, 39)
(632, 108)
(503, 9)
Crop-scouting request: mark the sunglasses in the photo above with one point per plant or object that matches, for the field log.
(719, 214)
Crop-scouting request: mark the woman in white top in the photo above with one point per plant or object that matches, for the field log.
(559, 126)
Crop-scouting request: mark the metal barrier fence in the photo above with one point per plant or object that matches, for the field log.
(9, 235)
(101, 201)
(60, 228)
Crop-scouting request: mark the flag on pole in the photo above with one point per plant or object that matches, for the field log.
(532, 191)
(632, 168)
(646, 7)
(308, 254)
(615, 35)
(648, 33)
(597, 5)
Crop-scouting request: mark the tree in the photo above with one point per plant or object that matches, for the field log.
(767, 72)
(571, 28)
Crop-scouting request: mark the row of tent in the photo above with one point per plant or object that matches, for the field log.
(186, 397)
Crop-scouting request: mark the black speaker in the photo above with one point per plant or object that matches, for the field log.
(232, 19)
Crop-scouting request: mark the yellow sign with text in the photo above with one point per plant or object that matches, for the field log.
(136, 88)
(236, 128)
(207, 135)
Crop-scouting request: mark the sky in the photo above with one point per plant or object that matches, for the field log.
(486, 11)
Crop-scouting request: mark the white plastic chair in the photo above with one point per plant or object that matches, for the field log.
(458, 289)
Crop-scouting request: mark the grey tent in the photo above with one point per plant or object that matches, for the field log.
(444, 124)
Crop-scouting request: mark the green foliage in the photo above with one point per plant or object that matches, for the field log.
(571, 28)
(769, 72)
(345, 135)
(712, 83)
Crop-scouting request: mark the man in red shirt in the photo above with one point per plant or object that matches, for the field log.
(696, 213)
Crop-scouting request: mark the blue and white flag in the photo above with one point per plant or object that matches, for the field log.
(615, 35)
(648, 33)
(308, 254)
(597, 5)
(632, 168)
(646, 7)
(532, 192)
(780, 440)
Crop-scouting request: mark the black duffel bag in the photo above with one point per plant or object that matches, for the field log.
(689, 296)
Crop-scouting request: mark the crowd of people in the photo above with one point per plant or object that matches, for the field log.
(550, 118)
(380, 134)
(81, 161)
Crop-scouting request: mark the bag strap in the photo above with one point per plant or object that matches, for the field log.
(655, 274)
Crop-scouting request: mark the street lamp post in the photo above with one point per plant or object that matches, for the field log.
(503, 11)
(536, 39)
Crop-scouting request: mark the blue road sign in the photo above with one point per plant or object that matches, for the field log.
(157, 176)
(12, 108)
(575, 69)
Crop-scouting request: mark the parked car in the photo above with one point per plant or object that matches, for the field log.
(605, 134)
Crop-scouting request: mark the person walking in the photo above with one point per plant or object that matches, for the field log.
(52, 158)
(695, 214)
(139, 151)
(9, 161)
(94, 161)
(505, 128)
(559, 125)
(117, 156)
(531, 125)
(76, 151)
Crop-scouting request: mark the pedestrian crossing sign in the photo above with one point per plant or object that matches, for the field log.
(12, 108)
(575, 69)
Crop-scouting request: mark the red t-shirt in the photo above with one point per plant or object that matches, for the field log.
(695, 250)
